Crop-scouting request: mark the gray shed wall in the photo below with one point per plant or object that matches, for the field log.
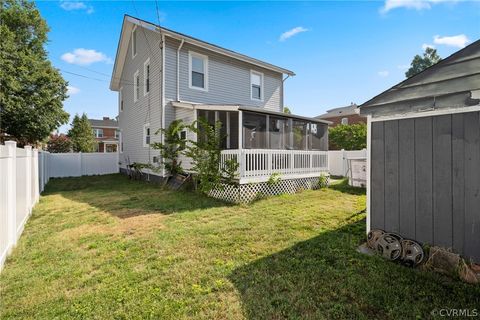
(425, 180)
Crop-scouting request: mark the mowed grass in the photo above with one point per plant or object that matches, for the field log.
(110, 248)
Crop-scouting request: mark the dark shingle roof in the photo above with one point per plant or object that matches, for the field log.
(338, 112)
(105, 122)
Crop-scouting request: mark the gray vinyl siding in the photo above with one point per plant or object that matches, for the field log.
(187, 116)
(148, 108)
(425, 180)
(228, 80)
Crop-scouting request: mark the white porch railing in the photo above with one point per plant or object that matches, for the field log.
(259, 164)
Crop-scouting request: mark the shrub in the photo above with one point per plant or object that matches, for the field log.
(59, 143)
(348, 137)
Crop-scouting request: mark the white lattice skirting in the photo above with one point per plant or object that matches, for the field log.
(245, 193)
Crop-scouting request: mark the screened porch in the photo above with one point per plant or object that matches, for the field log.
(266, 142)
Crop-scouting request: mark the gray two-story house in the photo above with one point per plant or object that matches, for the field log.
(162, 75)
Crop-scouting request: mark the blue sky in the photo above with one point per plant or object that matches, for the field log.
(341, 51)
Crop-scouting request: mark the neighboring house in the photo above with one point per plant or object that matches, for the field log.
(424, 151)
(343, 115)
(106, 134)
(162, 75)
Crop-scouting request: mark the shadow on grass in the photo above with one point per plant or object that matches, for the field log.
(124, 198)
(343, 186)
(325, 278)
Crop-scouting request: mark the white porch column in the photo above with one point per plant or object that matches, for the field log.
(240, 129)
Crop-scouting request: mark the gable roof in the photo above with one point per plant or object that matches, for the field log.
(128, 24)
(461, 70)
(103, 123)
(340, 111)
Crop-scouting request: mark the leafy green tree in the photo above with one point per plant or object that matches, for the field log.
(173, 146)
(348, 137)
(430, 57)
(205, 154)
(59, 143)
(32, 90)
(81, 134)
(287, 110)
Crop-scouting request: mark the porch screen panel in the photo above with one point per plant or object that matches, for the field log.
(278, 133)
(299, 135)
(233, 130)
(318, 135)
(222, 117)
(254, 131)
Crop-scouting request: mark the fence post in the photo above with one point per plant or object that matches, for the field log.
(80, 154)
(28, 185)
(344, 161)
(36, 178)
(12, 193)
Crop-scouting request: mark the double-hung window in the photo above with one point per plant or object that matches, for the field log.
(198, 69)
(146, 135)
(136, 86)
(98, 133)
(256, 85)
(146, 77)
(134, 42)
(121, 99)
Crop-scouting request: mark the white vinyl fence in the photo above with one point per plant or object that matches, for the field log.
(60, 165)
(19, 192)
(24, 174)
(337, 160)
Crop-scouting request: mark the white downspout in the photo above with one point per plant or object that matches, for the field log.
(178, 69)
(283, 88)
(163, 95)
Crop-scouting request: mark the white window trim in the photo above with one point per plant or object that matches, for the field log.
(134, 54)
(135, 96)
(120, 95)
(145, 126)
(205, 65)
(145, 64)
(97, 130)
(261, 85)
(342, 121)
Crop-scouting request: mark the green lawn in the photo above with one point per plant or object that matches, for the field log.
(109, 248)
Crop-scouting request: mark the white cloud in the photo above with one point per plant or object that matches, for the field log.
(76, 5)
(383, 73)
(290, 33)
(85, 57)
(426, 45)
(458, 41)
(71, 90)
(403, 66)
(410, 4)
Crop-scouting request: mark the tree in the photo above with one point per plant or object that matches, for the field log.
(173, 146)
(59, 143)
(348, 137)
(430, 57)
(205, 153)
(286, 110)
(81, 134)
(32, 90)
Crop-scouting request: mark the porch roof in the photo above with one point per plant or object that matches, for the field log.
(236, 107)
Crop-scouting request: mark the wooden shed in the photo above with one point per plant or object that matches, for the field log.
(424, 155)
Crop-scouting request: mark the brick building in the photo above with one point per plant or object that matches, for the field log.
(106, 133)
(343, 115)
